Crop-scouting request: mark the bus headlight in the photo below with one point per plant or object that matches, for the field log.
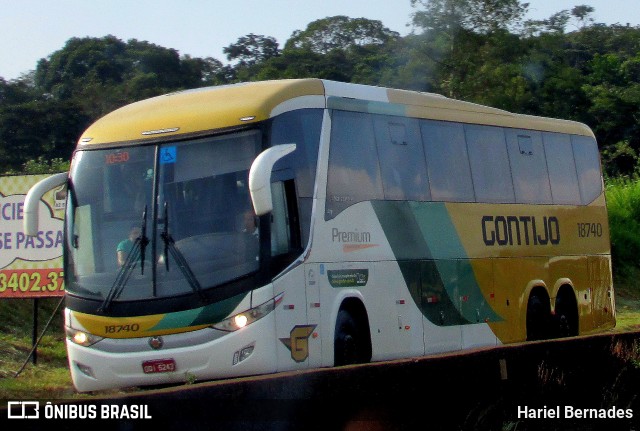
(245, 318)
(240, 320)
(80, 337)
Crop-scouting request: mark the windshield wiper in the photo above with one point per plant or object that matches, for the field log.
(165, 236)
(137, 251)
(144, 241)
(170, 247)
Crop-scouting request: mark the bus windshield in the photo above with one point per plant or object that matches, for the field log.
(161, 220)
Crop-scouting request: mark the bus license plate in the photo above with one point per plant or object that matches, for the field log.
(159, 366)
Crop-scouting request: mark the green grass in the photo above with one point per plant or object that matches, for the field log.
(49, 378)
(623, 206)
(627, 309)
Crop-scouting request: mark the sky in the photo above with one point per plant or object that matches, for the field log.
(34, 29)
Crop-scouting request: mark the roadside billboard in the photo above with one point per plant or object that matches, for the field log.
(30, 267)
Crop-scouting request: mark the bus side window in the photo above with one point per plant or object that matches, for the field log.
(354, 172)
(490, 167)
(402, 162)
(529, 167)
(447, 161)
(587, 158)
(285, 231)
(562, 169)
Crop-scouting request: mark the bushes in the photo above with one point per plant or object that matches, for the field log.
(623, 204)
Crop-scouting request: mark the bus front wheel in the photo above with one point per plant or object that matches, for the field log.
(349, 341)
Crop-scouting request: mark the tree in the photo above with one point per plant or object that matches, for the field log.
(16, 91)
(340, 32)
(44, 166)
(470, 45)
(252, 49)
(81, 60)
(583, 14)
(306, 64)
(101, 74)
(44, 128)
(556, 23)
(479, 16)
(207, 71)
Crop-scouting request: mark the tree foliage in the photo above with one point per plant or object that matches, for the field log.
(479, 16)
(252, 49)
(340, 33)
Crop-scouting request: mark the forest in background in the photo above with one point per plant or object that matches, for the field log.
(483, 51)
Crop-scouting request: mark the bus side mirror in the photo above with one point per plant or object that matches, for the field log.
(32, 201)
(260, 177)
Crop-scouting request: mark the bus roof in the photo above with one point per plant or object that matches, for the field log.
(203, 111)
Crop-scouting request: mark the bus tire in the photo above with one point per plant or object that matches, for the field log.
(349, 341)
(566, 314)
(538, 318)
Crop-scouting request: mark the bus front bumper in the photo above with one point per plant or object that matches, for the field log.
(247, 351)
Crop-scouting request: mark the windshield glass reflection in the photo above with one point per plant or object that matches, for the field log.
(201, 234)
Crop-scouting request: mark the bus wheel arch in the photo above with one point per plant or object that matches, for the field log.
(566, 312)
(538, 317)
(352, 336)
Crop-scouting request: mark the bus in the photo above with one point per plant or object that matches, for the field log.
(297, 224)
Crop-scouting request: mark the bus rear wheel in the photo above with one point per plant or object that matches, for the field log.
(538, 318)
(566, 314)
(350, 341)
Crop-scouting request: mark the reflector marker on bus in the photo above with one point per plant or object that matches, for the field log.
(160, 131)
(278, 299)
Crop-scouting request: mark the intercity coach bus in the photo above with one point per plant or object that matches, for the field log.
(294, 224)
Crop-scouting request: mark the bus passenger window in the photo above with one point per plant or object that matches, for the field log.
(562, 169)
(587, 157)
(490, 167)
(404, 173)
(528, 166)
(447, 161)
(354, 173)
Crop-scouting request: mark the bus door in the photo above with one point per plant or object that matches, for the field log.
(477, 301)
(292, 329)
(314, 341)
(442, 323)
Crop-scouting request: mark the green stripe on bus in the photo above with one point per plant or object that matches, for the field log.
(434, 262)
(209, 314)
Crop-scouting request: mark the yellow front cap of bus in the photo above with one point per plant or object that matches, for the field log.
(196, 111)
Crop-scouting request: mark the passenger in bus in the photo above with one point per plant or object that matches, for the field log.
(248, 223)
(249, 247)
